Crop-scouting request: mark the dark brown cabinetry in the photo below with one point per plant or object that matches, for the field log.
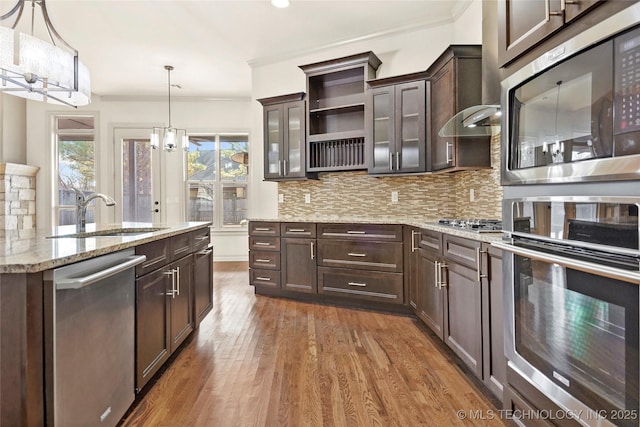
(264, 255)
(494, 360)
(284, 137)
(336, 111)
(361, 261)
(456, 80)
(430, 296)
(524, 24)
(169, 297)
(298, 243)
(411, 263)
(396, 124)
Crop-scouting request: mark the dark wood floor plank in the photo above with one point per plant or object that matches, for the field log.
(259, 361)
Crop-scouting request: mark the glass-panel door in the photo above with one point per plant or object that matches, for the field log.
(411, 101)
(274, 141)
(382, 130)
(138, 184)
(295, 133)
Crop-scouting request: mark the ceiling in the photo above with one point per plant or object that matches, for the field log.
(212, 43)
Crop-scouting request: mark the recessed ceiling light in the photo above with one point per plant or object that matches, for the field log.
(280, 3)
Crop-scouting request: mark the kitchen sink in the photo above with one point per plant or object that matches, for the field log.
(114, 232)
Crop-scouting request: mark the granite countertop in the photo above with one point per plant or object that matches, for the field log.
(30, 251)
(430, 224)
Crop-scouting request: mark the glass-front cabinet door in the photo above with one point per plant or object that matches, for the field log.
(410, 139)
(284, 136)
(382, 130)
(396, 124)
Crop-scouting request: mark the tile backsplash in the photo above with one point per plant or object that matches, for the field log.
(425, 197)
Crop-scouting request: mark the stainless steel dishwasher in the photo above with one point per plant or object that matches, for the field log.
(90, 340)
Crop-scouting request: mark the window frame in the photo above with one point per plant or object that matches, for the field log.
(218, 184)
(57, 208)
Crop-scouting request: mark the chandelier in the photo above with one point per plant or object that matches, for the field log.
(170, 135)
(37, 69)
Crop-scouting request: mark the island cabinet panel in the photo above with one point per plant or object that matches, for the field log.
(170, 297)
(411, 262)
(299, 265)
(429, 293)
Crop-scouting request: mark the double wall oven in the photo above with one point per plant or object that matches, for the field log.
(571, 176)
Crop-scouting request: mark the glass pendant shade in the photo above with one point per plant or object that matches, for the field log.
(36, 69)
(169, 135)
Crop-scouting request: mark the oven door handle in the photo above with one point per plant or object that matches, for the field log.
(587, 267)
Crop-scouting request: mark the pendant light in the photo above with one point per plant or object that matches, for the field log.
(170, 136)
(38, 69)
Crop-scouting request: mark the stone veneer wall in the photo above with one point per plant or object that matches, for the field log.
(18, 195)
(425, 197)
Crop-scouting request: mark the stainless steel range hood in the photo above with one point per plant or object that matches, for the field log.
(484, 119)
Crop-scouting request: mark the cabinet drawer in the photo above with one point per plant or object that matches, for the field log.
(461, 250)
(200, 239)
(362, 285)
(380, 256)
(431, 241)
(265, 278)
(264, 243)
(381, 232)
(180, 246)
(268, 260)
(298, 229)
(260, 228)
(158, 254)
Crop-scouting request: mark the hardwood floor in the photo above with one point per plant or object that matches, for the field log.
(261, 361)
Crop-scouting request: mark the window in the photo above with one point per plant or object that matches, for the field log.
(75, 165)
(217, 179)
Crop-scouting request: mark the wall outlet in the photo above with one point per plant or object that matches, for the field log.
(472, 195)
(394, 197)
(280, 198)
(307, 198)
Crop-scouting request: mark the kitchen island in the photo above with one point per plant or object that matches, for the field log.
(26, 259)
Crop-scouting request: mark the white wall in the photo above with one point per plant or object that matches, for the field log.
(195, 116)
(400, 53)
(12, 129)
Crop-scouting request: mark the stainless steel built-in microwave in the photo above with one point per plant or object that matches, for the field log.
(573, 114)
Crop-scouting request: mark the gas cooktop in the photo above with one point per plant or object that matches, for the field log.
(476, 225)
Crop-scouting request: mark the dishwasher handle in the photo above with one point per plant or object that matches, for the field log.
(81, 282)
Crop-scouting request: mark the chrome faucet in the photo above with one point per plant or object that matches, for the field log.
(81, 207)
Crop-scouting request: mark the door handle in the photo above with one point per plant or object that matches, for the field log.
(173, 282)
(479, 253)
(313, 255)
(413, 240)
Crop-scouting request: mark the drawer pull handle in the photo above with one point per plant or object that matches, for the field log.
(356, 232)
(356, 254)
(296, 230)
(263, 244)
(357, 284)
(262, 229)
(202, 238)
(267, 279)
(262, 260)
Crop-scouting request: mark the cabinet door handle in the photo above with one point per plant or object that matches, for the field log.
(279, 167)
(397, 161)
(390, 161)
(356, 232)
(548, 9)
(262, 229)
(205, 252)
(296, 230)
(413, 240)
(266, 279)
(313, 255)
(178, 281)
(284, 168)
(449, 152)
(262, 260)
(436, 274)
(443, 284)
(357, 284)
(479, 253)
(262, 244)
(356, 254)
(173, 282)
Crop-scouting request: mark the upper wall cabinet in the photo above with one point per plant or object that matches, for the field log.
(284, 137)
(336, 111)
(523, 24)
(396, 124)
(456, 83)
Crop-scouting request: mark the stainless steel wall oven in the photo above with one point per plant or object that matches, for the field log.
(573, 114)
(572, 301)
